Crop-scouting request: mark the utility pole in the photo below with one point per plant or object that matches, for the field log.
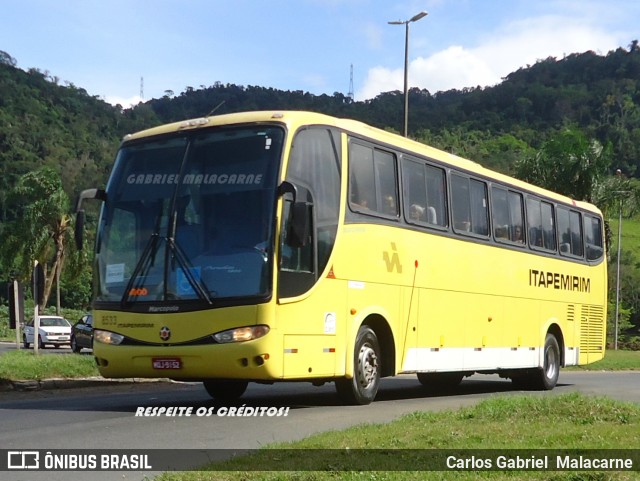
(406, 23)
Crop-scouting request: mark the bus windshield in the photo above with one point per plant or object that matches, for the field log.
(190, 217)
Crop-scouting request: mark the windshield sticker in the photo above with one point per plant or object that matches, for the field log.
(184, 287)
(115, 273)
(195, 179)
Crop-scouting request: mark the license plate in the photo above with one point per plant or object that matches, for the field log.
(167, 363)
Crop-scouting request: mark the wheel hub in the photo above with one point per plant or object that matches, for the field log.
(367, 366)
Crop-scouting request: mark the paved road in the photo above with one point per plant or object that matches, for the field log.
(105, 418)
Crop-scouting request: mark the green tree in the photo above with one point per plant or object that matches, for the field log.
(568, 163)
(39, 227)
(617, 192)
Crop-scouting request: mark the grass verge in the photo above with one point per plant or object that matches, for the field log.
(25, 365)
(613, 361)
(566, 422)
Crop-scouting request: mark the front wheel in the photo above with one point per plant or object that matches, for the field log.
(363, 387)
(224, 390)
(24, 341)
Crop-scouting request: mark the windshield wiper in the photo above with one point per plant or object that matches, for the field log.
(144, 264)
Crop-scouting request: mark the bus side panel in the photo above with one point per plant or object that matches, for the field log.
(440, 333)
(521, 331)
(315, 327)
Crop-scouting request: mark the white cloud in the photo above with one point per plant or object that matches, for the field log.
(124, 102)
(516, 45)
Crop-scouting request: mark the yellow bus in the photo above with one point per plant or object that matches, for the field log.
(294, 246)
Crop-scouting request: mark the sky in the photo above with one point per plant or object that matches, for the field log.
(120, 49)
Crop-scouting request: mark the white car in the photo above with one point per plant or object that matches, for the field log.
(53, 330)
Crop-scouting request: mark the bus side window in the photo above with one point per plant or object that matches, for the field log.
(541, 224)
(516, 217)
(415, 192)
(424, 193)
(469, 205)
(479, 208)
(593, 238)
(500, 213)
(436, 196)
(460, 203)
(373, 181)
(570, 231)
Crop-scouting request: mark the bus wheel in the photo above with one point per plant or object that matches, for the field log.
(548, 375)
(545, 378)
(363, 387)
(440, 380)
(225, 390)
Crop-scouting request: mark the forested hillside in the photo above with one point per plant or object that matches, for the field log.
(45, 123)
(48, 123)
(599, 95)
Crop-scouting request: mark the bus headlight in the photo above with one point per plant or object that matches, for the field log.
(241, 334)
(107, 337)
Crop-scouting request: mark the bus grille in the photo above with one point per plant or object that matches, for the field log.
(592, 329)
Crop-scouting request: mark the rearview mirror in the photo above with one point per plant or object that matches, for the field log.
(78, 234)
(300, 215)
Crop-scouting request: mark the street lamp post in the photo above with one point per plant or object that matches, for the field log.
(406, 23)
(615, 334)
(620, 193)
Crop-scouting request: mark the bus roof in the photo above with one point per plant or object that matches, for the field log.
(294, 119)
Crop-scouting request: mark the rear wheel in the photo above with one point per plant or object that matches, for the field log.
(225, 390)
(546, 377)
(363, 387)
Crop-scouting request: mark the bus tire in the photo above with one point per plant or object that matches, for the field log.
(440, 380)
(363, 387)
(225, 390)
(546, 377)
